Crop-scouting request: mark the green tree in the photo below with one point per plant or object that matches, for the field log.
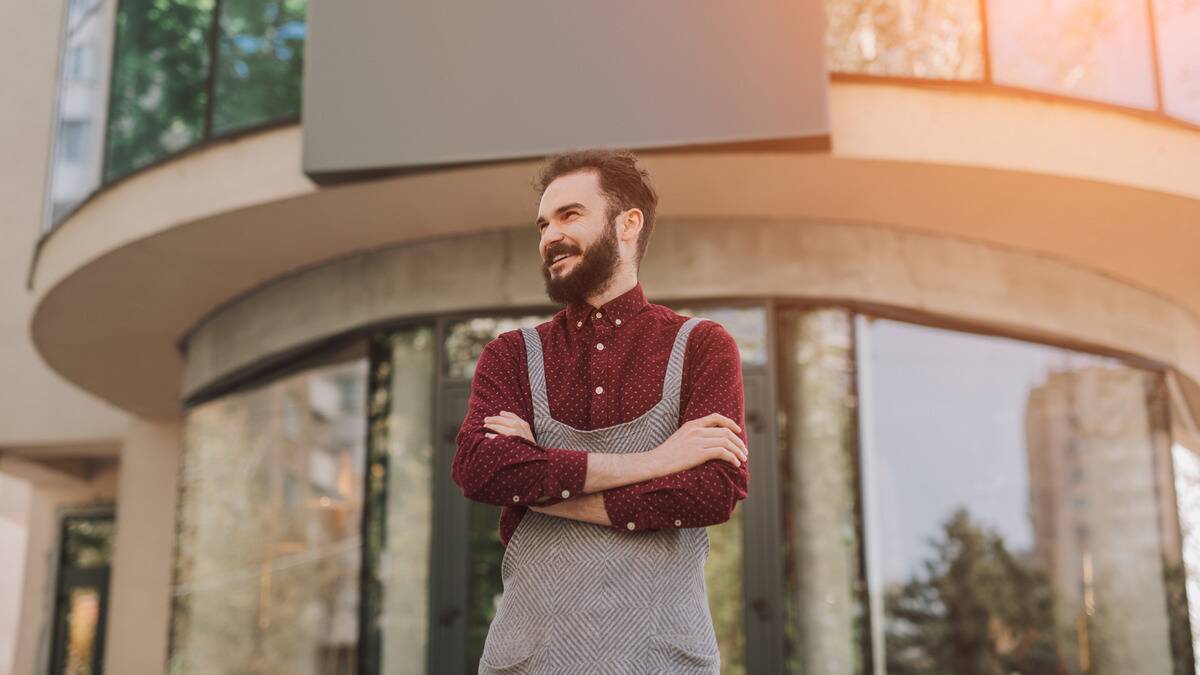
(975, 610)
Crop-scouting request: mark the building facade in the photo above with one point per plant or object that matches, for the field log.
(255, 248)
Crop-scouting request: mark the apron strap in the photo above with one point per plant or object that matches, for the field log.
(673, 382)
(537, 373)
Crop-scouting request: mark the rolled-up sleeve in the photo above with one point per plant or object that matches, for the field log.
(707, 493)
(509, 470)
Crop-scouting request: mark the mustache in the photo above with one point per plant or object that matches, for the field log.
(555, 251)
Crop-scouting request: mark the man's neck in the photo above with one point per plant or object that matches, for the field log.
(622, 282)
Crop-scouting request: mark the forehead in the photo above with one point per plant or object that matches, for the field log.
(580, 186)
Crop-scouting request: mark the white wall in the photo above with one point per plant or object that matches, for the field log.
(15, 495)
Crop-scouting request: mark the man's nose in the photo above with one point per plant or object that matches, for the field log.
(550, 236)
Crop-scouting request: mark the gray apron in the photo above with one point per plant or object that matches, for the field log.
(584, 598)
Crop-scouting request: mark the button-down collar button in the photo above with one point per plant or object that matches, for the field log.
(599, 390)
(516, 498)
(618, 322)
(678, 522)
(600, 346)
(566, 493)
(630, 525)
(579, 324)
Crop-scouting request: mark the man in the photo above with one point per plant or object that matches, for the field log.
(612, 435)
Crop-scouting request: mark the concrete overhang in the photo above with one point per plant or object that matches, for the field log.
(123, 281)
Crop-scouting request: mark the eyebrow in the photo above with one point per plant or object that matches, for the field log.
(562, 209)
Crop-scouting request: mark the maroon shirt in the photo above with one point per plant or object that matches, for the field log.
(590, 388)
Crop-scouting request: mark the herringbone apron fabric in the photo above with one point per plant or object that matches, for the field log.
(583, 598)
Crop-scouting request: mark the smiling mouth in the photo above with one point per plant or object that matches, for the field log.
(560, 258)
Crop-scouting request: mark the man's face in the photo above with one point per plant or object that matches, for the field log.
(578, 244)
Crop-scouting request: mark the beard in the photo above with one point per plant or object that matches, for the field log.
(592, 274)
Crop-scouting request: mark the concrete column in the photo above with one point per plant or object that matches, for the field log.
(140, 588)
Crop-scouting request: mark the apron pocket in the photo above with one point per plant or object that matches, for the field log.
(687, 650)
(511, 659)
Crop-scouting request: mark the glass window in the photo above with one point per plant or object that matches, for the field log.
(82, 106)
(818, 480)
(259, 62)
(261, 586)
(159, 81)
(72, 140)
(1093, 49)
(1178, 25)
(81, 594)
(1187, 486)
(913, 38)
(1015, 518)
(400, 503)
(747, 325)
(465, 340)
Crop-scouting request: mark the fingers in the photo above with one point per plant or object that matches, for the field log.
(508, 424)
(718, 420)
(727, 437)
(723, 453)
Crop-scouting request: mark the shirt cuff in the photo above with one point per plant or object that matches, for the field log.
(566, 473)
(627, 512)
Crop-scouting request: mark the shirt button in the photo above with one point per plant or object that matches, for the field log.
(516, 498)
(678, 522)
(630, 525)
(598, 315)
(578, 324)
(618, 322)
(600, 346)
(599, 390)
(566, 493)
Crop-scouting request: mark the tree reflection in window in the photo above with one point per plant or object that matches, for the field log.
(937, 39)
(1016, 518)
(260, 587)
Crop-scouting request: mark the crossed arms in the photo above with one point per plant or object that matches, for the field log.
(693, 479)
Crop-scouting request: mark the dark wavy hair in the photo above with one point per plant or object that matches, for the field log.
(623, 184)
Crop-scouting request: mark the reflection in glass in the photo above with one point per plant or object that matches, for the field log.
(723, 577)
(83, 614)
(465, 340)
(824, 613)
(82, 105)
(1187, 487)
(938, 39)
(267, 566)
(159, 81)
(259, 62)
(747, 325)
(1177, 23)
(88, 542)
(1013, 527)
(1093, 49)
(400, 502)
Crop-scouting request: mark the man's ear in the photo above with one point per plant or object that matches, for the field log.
(630, 224)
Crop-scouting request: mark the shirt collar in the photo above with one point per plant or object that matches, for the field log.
(622, 307)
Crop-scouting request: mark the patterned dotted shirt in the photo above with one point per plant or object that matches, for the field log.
(589, 388)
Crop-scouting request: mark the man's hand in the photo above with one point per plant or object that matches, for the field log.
(698, 441)
(508, 424)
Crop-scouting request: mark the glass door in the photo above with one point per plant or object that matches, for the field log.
(81, 602)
